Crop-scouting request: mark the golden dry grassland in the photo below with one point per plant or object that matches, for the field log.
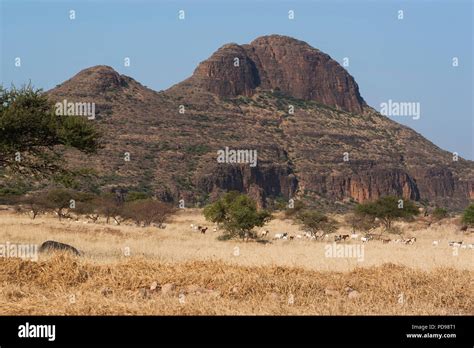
(132, 270)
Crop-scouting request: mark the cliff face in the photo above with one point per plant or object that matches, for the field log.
(279, 63)
(332, 148)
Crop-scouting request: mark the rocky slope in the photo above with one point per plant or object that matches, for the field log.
(173, 136)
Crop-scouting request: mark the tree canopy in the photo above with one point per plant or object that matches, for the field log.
(237, 213)
(30, 132)
(388, 209)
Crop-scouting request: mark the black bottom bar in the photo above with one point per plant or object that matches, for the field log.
(288, 331)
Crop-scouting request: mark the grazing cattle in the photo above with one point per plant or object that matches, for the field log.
(455, 244)
(292, 237)
(365, 239)
(299, 236)
(464, 228)
(464, 246)
(374, 236)
(354, 236)
(435, 243)
(410, 240)
(51, 245)
(341, 237)
(281, 236)
(264, 233)
(203, 230)
(214, 229)
(386, 241)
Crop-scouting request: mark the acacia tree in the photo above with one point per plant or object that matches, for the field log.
(237, 213)
(60, 201)
(147, 211)
(33, 204)
(388, 209)
(31, 132)
(316, 223)
(360, 222)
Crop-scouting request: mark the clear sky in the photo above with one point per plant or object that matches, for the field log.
(408, 60)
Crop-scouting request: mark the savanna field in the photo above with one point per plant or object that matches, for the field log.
(134, 270)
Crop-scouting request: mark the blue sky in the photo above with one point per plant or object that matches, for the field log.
(407, 60)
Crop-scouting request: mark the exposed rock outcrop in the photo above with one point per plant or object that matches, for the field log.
(279, 63)
(245, 106)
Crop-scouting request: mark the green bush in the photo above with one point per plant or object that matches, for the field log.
(314, 222)
(439, 213)
(237, 213)
(360, 222)
(135, 195)
(387, 210)
(468, 216)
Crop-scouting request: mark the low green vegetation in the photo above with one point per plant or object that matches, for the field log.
(468, 216)
(439, 213)
(316, 223)
(387, 209)
(238, 215)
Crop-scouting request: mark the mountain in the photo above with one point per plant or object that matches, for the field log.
(242, 98)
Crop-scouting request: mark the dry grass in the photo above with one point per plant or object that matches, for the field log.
(46, 288)
(211, 279)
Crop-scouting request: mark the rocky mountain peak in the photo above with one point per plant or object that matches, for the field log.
(174, 152)
(282, 63)
(97, 79)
